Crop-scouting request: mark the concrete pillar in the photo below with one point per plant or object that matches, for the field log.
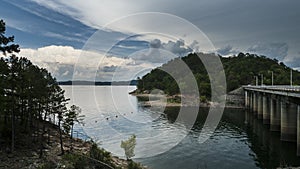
(246, 99)
(266, 109)
(275, 114)
(260, 106)
(298, 130)
(288, 121)
(247, 117)
(251, 118)
(250, 100)
(254, 102)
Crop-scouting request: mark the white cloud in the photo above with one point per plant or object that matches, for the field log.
(223, 21)
(64, 37)
(131, 18)
(65, 63)
(65, 73)
(38, 12)
(90, 12)
(18, 25)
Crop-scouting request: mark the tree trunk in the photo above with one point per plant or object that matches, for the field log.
(12, 131)
(72, 131)
(60, 137)
(72, 137)
(41, 133)
(13, 123)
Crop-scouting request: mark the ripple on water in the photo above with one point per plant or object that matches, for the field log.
(232, 145)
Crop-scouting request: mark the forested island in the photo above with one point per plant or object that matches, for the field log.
(241, 69)
(36, 125)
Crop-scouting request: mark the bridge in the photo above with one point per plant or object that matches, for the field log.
(277, 106)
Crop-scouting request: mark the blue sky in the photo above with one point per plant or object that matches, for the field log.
(53, 34)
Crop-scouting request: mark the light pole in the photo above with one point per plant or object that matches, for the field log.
(256, 80)
(272, 77)
(291, 80)
(262, 79)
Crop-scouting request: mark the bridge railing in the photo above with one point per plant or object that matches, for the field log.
(283, 88)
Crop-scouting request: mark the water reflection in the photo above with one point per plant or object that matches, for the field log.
(269, 151)
(240, 140)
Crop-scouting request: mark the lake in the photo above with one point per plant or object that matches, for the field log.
(239, 141)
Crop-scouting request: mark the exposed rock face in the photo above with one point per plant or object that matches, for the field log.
(236, 98)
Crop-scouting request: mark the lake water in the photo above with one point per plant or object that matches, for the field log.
(240, 140)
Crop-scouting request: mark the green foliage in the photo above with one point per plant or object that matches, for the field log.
(29, 96)
(175, 99)
(97, 158)
(100, 154)
(128, 146)
(72, 116)
(75, 161)
(134, 165)
(203, 99)
(239, 70)
(5, 42)
(47, 165)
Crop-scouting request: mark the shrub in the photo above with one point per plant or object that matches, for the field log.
(128, 146)
(134, 165)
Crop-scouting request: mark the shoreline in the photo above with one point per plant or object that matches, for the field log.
(76, 151)
(158, 103)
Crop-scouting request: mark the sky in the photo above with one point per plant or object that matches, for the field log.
(124, 39)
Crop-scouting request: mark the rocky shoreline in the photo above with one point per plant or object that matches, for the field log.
(75, 149)
(234, 99)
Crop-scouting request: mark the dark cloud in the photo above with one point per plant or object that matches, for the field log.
(278, 50)
(226, 50)
(111, 68)
(156, 43)
(177, 47)
(160, 52)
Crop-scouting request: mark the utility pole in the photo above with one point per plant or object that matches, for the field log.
(256, 80)
(291, 80)
(272, 78)
(262, 79)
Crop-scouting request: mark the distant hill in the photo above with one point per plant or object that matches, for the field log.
(239, 70)
(116, 83)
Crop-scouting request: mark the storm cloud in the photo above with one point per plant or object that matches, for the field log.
(227, 50)
(277, 50)
(177, 47)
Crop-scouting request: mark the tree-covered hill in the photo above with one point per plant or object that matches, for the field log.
(30, 99)
(239, 70)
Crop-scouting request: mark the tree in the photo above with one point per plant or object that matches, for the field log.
(5, 45)
(60, 109)
(29, 96)
(72, 116)
(239, 70)
(3, 82)
(128, 146)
